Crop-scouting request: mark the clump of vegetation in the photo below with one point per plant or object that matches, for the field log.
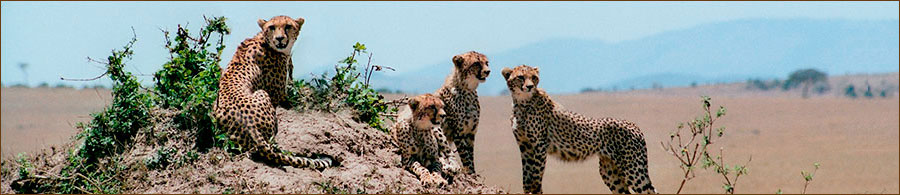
(348, 87)
(187, 85)
(111, 130)
(808, 78)
(850, 91)
(763, 85)
(189, 81)
(692, 149)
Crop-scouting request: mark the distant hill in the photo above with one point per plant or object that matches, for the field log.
(718, 52)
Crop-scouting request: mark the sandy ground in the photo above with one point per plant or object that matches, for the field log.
(39, 117)
(855, 140)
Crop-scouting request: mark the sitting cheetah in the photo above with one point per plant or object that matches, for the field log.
(541, 126)
(459, 94)
(423, 148)
(254, 82)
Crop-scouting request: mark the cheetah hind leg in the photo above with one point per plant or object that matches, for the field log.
(640, 182)
(612, 176)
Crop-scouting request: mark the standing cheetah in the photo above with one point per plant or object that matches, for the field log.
(254, 83)
(423, 148)
(461, 98)
(541, 126)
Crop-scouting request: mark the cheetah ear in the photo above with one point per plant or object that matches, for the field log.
(537, 71)
(506, 72)
(413, 104)
(261, 22)
(458, 60)
(300, 20)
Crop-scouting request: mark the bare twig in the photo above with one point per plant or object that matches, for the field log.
(90, 79)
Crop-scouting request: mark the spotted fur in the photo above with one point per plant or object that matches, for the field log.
(256, 81)
(461, 97)
(543, 127)
(423, 148)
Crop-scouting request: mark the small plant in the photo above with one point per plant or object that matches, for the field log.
(161, 159)
(692, 150)
(346, 88)
(850, 91)
(868, 92)
(808, 177)
(328, 187)
(24, 165)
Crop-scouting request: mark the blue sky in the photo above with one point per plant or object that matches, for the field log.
(55, 38)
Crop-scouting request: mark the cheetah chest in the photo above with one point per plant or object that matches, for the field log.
(463, 111)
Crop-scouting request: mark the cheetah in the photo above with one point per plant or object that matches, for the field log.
(253, 84)
(541, 127)
(461, 98)
(423, 148)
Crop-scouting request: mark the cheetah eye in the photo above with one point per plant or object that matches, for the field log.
(288, 27)
(520, 77)
(271, 27)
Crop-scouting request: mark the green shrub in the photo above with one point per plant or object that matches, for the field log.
(345, 89)
(691, 148)
(850, 91)
(189, 81)
(111, 130)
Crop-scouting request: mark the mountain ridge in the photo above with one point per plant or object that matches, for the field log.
(748, 48)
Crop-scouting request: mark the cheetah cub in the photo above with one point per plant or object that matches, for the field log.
(423, 148)
(461, 97)
(542, 127)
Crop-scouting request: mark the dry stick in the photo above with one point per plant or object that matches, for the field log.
(369, 69)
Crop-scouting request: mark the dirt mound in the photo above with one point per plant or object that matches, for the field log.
(158, 162)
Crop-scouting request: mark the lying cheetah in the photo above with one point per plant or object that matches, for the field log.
(254, 82)
(459, 94)
(541, 126)
(423, 148)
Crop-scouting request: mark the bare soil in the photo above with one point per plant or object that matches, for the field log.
(368, 162)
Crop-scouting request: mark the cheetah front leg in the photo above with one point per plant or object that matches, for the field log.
(427, 177)
(448, 158)
(534, 158)
(465, 145)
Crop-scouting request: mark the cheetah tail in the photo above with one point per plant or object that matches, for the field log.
(296, 161)
(270, 153)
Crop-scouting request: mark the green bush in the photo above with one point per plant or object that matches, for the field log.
(345, 89)
(850, 91)
(691, 148)
(111, 130)
(189, 81)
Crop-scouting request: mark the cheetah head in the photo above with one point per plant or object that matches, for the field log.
(472, 68)
(522, 81)
(281, 32)
(428, 110)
